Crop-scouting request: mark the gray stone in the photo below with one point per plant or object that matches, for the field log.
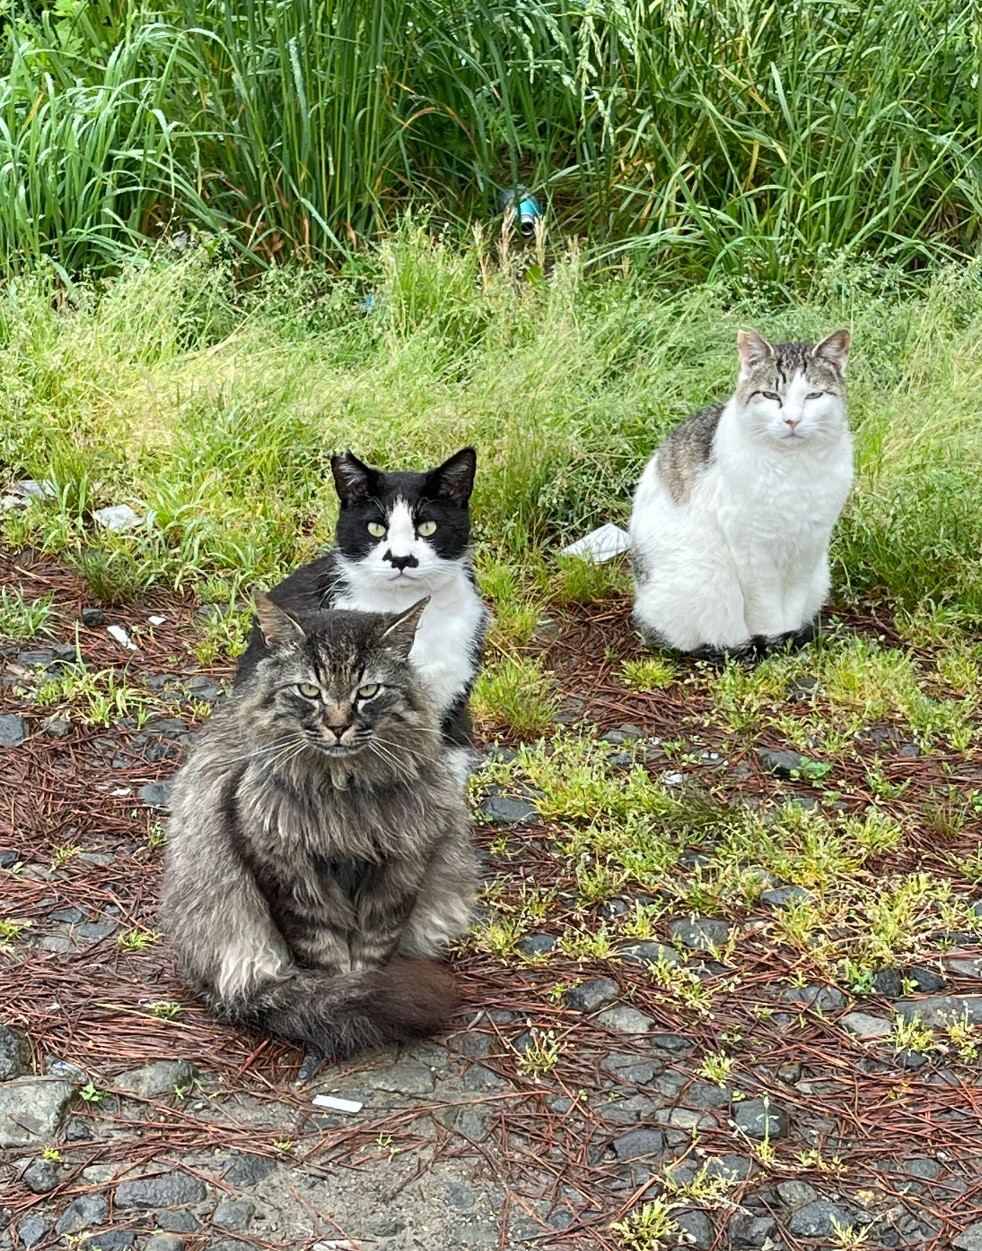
(625, 1020)
(592, 995)
(204, 688)
(109, 1240)
(156, 794)
(32, 1229)
(233, 1214)
(909, 751)
(638, 1144)
(93, 617)
(7, 858)
(632, 1068)
(697, 1228)
(156, 1079)
(746, 1229)
(795, 1194)
(822, 998)
(786, 764)
(56, 727)
(760, 1118)
(82, 1213)
(165, 726)
(700, 933)
(649, 953)
(675, 1044)
(939, 1010)
(622, 734)
(505, 810)
(536, 945)
(42, 1176)
(731, 1168)
(12, 730)
(32, 1110)
(67, 916)
(15, 1053)
(706, 1095)
(819, 1220)
(865, 1026)
(888, 984)
(164, 1242)
(166, 1190)
(780, 896)
(969, 1239)
(920, 1167)
(96, 929)
(178, 1222)
(249, 1170)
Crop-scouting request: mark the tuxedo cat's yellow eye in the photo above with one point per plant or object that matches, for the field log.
(376, 529)
(308, 690)
(425, 529)
(369, 691)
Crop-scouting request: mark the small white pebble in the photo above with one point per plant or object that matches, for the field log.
(337, 1105)
(119, 634)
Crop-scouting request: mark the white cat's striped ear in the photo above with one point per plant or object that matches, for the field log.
(753, 348)
(278, 627)
(834, 349)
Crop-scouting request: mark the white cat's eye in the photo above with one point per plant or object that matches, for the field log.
(771, 395)
(376, 529)
(425, 529)
(369, 691)
(814, 395)
(308, 690)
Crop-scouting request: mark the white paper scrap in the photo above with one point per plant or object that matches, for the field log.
(599, 545)
(156, 620)
(337, 1105)
(118, 517)
(119, 634)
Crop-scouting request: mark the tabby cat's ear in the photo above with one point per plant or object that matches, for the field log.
(454, 479)
(834, 349)
(279, 629)
(400, 634)
(353, 479)
(753, 348)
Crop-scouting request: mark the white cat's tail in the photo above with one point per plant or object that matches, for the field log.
(339, 1014)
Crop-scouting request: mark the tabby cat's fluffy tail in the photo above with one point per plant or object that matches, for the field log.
(338, 1014)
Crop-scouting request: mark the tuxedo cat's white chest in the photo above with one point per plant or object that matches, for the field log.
(447, 645)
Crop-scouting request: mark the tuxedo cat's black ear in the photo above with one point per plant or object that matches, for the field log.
(353, 479)
(278, 627)
(834, 349)
(400, 634)
(753, 348)
(454, 479)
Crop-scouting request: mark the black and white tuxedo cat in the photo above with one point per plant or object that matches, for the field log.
(400, 537)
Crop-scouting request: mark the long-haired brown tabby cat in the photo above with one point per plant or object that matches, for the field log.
(318, 857)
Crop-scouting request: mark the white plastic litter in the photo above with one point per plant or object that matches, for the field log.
(30, 488)
(156, 620)
(599, 545)
(118, 517)
(337, 1105)
(335, 1244)
(119, 634)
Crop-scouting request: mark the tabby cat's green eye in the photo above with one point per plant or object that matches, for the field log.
(376, 529)
(369, 691)
(308, 690)
(426, 528)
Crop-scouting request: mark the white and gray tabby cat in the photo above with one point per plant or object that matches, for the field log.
(318, 856)
(401, 536)
(733, 515)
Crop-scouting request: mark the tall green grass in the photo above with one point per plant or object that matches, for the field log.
(167, 389)
(736, 138)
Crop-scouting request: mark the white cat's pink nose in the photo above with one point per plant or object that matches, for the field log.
(793, 422)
